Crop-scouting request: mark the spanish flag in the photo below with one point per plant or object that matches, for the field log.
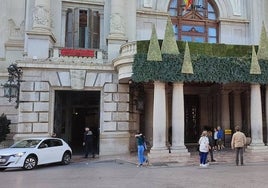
(188, 4)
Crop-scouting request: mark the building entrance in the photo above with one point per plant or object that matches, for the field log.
(192, 114)
(74, 110)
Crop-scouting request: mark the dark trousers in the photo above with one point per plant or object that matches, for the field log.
(203, 157)
(89, 148)
(239, 151)
(211, 154)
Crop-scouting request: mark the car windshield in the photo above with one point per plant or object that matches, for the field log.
(26, 144)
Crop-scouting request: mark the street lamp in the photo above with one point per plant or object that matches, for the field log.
(12, 86)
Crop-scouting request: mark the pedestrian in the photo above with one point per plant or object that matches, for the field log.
(220, 138)
(238, 142)
(211, 144)
(215, 135)
(203, 149)
(141, 147)
(88, 142)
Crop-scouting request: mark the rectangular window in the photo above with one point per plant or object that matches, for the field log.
(82, 28)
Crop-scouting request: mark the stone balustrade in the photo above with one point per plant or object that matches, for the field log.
(128, 49)
(86, 56)
(124, 62)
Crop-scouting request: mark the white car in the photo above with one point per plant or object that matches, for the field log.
(30, 152)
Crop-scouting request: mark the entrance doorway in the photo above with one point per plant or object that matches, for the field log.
(74, 110)
(192, 114)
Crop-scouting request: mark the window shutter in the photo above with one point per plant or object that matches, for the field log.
(76, 28)
(96, 29)
(89, 26)
(69, 29)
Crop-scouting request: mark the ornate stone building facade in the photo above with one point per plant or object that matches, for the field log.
(77, 56)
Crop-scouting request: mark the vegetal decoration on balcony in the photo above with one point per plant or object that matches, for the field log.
(154, 52)
(255, 67)
(169, 45)
(187, 67)
(213, 63)
(263, 45)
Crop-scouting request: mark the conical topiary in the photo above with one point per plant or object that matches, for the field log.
(187, 66)
(169, 45)
(255, 67)
(154, 52)
(263, 45)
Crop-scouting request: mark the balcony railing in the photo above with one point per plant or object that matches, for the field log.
(71, 55)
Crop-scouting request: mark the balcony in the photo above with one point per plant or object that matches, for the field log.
(123, 63)
(77, 56)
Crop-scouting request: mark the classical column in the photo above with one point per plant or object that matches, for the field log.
(131, 22)
(117, 35)
(41, 15)
(40, 35)
(178, 118)
(225, 118)
(237, 109)
(159, 117)
(256, 118)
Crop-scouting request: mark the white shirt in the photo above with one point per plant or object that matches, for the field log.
(203, 144)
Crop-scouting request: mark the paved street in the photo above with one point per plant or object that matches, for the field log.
(117, 173)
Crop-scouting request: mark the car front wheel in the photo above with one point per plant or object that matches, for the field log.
(30, 163)
(66, 158)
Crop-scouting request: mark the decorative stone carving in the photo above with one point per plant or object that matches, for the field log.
(16, 32)
(41, 17)
(117, 23)
(77, 79)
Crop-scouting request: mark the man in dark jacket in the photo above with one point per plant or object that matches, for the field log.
(88, 142)
(211, 144)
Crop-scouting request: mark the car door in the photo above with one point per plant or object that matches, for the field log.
(44, 152)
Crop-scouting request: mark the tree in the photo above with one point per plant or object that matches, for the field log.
(4, 127)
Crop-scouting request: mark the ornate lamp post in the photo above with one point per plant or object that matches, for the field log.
(12, 86)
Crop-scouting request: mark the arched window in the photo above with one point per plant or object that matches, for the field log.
(197, 23)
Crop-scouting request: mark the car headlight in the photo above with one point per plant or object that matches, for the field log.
(19, 154)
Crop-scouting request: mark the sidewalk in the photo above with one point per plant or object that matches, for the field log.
(226, 156)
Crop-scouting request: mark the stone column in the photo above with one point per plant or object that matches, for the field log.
(225, 118)
(237, 109)
(178, 119)
(131, 22)
(256, 119)
(41, 34)
(41, 15)
(159, 117)
(117, 35)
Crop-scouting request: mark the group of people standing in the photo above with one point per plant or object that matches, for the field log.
(207, 145)
(208, 142)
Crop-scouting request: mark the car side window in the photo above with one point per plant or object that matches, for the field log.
(56, 142)
(44, 144)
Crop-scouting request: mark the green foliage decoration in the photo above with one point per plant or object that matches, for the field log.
(206, 69)
(187, 62)
(169, 45)
(4, 127)
(154, 52)
(214, 63)
(263, 45)
(255, 67)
